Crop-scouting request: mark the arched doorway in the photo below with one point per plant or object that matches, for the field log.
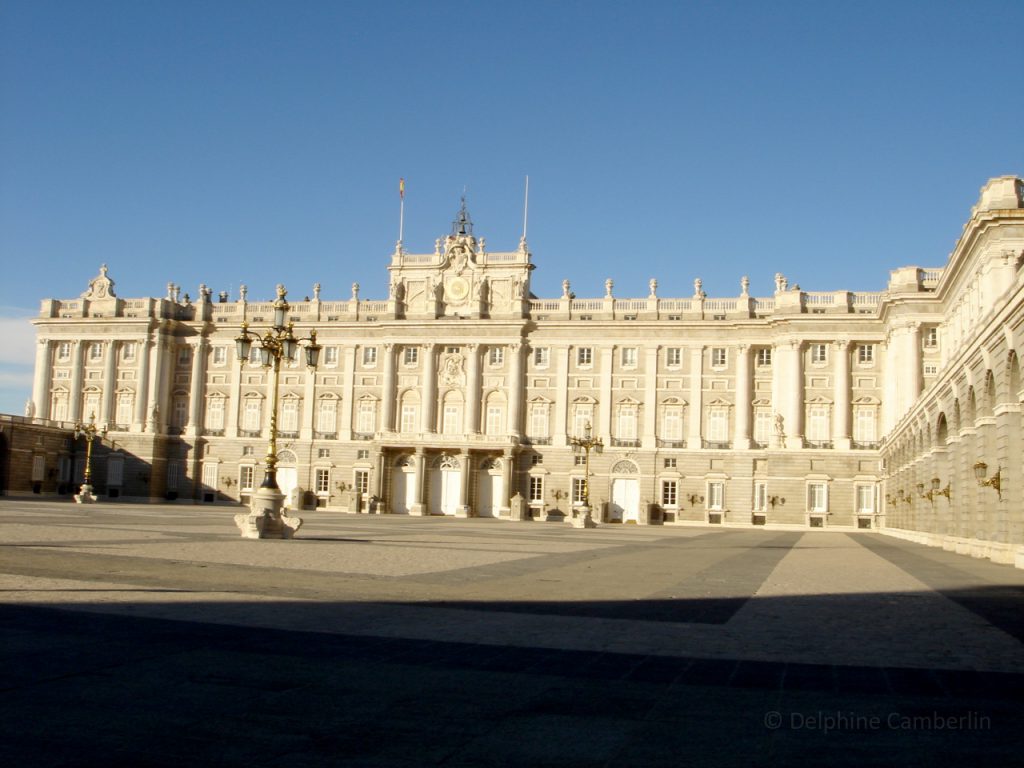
(489, 488)
(445, 485)
(403, 485)
(288, 478)
(625, 503)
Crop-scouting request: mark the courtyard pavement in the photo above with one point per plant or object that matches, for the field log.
(157, 636)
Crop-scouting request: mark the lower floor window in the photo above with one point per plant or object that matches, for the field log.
(536, 490)
(760, 497)
(323, 480)
(817, 497)
(362, 479)
(865, 499)
(716, 495)
(246, 475)
(578, 490)
(669, 489)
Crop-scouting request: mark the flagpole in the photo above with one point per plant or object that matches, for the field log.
(401, 209)
(526, 205)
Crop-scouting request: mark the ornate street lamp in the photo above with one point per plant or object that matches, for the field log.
(279, 343)
(587, 443)
(89, 432)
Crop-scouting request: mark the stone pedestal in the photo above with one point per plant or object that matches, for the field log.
(85, 495)
(462, 510)
(418, 509)
(265, 519)
(581, 518)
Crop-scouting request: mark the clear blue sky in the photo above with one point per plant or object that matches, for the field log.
(260, 142)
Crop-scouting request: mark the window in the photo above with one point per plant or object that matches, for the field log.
(817, 497)
(865, 500)
(536, 490)
(627, 421)
(125, 403)
(327, 418)
(672, 423)
(323, 453)
(539, 420)
(673, 357)
(184, 356)
(252, 414)
(451, 420)
(362, 454)
(579, 485)
(451, 350)
(541, 357)
(247, 450)
(536, 459)
(39, 468)
(584, 357)
(173, 475)
(718, 425)
(255, 356)
(764, 356)
(362, 481)
(366, 421)
(579, 459)
(819, 353)
(582, 415)
(214, 413)
(289, 415)
(323, 480)
(669, 464)
(495, 419)
(762, 426)
(96, 351)
(931, 369)
(410, 414)
(718, 357)
(220, 355)
(629, 356)
(716, 496)
(818, 423)
(91, 404)
(864, 425)
(411, 355)
(760, 496)
(669, 495)
(331, 356)
(179, 411)
(369, 357)
(931, 337)
(210, 470)
(128, 349)
(866, 354)
(496, 355)
(64, 351)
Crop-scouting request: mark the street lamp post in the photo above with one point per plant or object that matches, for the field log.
(265, 519)
(89, 432)
(587, 443)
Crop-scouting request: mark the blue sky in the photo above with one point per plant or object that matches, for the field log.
(261, 142)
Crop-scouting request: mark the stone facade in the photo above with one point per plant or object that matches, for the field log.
(462, 389)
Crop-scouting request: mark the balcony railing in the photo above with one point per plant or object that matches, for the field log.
(621, 442)
(317, 435)
(817, 444)
(671, 443)
(250, 433)
(536, 440)
(362, 435)
(866, 445)
(718, 444)
(291, 435)
(213, 432)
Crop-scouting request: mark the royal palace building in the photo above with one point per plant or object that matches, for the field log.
(461, 393)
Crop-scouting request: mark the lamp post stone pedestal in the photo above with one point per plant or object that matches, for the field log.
(581, 518)
(85, 495)
(266, 519)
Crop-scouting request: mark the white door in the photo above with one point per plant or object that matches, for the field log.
(288, 481)
(625, 504)
(444, 491)
(488, 494)
(403, 490)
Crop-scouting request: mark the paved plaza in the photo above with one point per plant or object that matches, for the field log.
(155, 635)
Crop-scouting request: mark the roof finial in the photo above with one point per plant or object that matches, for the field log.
(463, 225)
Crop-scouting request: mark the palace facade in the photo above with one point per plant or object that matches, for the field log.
(462, 390)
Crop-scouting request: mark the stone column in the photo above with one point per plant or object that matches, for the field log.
(388, 392)
(157, 388)
(473, 389)
(429, 389)
(77, 373)
(693, 439)
(348, 392)
(308, 405)
(841, 395)
(106, 415)
(741, 434)
(794, 423)
(41, 380)
(515, 390)
(419, 507)
(890, 397)
(603, 428)
(912, 360)
(507, 466)
(197, 409)
(234, 401)
(558, 429)
(462, 508)
(142, 386)
(650, 423)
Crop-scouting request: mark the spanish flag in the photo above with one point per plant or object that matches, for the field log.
(401, 189)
